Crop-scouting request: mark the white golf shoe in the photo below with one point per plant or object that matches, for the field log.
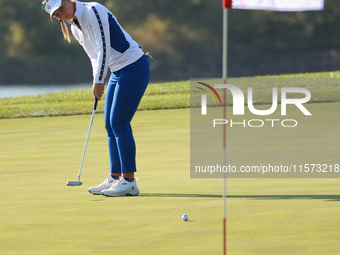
(124, 188)
(107, 183)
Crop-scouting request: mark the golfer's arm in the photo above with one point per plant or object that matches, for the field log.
(100, 28)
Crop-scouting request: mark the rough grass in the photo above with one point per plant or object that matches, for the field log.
(170, 95)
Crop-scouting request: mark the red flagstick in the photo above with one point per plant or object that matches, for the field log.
(226, 4)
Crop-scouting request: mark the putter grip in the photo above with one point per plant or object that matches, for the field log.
(95, 104)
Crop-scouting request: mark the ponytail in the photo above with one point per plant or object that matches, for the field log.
(65, 31)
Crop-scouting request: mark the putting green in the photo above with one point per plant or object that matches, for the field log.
(41, 215)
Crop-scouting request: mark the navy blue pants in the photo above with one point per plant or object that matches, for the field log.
(124, 92)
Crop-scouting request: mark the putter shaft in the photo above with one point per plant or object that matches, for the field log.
(78, 183)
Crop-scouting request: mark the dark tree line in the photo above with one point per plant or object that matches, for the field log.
(184, 37)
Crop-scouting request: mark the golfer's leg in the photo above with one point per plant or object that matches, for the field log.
(113, 151)
(115, 167)
(128, 93)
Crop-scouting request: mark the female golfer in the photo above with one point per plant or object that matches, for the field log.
(109, 46)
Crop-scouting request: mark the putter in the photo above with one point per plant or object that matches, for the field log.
(78, 183)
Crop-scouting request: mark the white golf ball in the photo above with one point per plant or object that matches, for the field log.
(185, 217)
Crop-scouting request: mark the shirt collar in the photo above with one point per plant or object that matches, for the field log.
(79, 10)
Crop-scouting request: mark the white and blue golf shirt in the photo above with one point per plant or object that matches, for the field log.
(103, 39)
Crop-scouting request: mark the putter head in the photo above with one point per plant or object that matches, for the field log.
(75, 183)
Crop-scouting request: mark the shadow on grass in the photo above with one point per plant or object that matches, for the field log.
(286, 197)
(253, 197)
(179, 195)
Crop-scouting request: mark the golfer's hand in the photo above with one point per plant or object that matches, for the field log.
(98, 90)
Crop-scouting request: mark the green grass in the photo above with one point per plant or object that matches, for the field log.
(170, 95)
(40, 215)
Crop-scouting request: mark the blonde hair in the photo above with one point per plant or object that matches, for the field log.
(64, 29)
